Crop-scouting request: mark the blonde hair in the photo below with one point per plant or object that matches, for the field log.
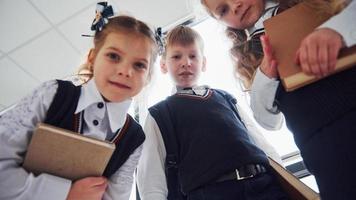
(127, 25)
(247, 52)
(183, 35)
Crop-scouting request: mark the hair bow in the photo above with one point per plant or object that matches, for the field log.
(102, 13)
(160, 40)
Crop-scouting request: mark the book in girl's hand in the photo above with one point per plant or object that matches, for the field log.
(286, 32)
(66, 154)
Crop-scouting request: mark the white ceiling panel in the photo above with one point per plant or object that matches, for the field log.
(15, 84)
(78, 25)
(56, 11)
(19, 23)
(157, 12)
(48, 57)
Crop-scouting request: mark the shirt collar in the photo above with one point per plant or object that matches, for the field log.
(195, 90)
(116, 110)
(271, 9)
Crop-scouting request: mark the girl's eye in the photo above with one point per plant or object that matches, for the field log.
(113, 56)
(223, 11)
(192, 56)
(140, 65)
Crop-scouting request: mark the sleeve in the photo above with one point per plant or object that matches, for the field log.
(16, 127)
(344, 23)
(151, 177)
(257, 136)
(121, 182)
(263, 92)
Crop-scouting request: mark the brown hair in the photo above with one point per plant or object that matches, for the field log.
(183, 35)
(247, 52)
(127, 25)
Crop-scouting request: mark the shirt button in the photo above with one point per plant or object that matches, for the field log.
(95, 122)
(100, 105)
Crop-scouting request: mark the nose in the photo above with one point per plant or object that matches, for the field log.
(236, 6)
(187, 62)
(124, 70)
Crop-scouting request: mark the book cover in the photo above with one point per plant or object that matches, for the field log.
(294, 187)
(66, 154)
(286, 31)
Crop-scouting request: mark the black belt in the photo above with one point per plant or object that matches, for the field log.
(244, 172)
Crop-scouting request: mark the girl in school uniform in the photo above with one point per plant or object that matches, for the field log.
(120, 65)
(320, 115)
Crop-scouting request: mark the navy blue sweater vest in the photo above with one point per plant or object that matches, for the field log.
(211, 140)
(61, 114)
(312, 107)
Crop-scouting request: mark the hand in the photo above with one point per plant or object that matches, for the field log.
(269, 63)
(318, 52)
(91, 188)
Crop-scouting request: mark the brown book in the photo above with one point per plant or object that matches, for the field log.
(294, 187)
(286, 31)
(66, 154)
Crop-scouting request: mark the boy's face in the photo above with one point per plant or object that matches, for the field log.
(239, 14)
(184, 63)
(121, 65)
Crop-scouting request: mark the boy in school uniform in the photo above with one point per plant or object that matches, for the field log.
(214, 156)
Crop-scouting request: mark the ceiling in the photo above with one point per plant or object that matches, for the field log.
(41, 39)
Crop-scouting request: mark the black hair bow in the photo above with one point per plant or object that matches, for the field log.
(160, 40)
(102, 13)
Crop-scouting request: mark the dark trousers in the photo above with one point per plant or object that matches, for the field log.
(261, 187)
(331, 156)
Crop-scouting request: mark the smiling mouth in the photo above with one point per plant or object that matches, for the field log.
(244, 14)
(119, 85)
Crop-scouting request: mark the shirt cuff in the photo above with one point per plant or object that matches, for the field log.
(54, 187)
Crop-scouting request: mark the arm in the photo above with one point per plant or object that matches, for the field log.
(16, 127)
(344, 24)
(263, 92)
(120, 183)
(257, 136)
(318, 52)
(151, 177)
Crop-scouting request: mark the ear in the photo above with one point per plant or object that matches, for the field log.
(91, 56)
(163, 65)
(203, 69)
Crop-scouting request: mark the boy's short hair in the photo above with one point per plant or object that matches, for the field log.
(183, 35)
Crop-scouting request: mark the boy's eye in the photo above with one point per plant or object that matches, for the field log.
(176, 56)
(113, 56)
(140, 65)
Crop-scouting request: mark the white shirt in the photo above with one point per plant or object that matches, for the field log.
(17, 125)
(151, 178)
(264, 89)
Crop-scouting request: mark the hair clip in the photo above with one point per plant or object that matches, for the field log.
(102, 13)
(160, 40)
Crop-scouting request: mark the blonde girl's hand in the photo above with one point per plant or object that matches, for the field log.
(269, 63)
(317, 54)
(90, 188)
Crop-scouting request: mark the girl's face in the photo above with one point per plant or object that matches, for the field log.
(184, 63)
(239, 14)
(121, 65)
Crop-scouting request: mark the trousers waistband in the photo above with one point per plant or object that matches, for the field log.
(244, 172)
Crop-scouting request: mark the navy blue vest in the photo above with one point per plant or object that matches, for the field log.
(211, 140)
(61, 114)
(312, 107)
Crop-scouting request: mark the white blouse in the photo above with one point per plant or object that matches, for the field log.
(18, 123)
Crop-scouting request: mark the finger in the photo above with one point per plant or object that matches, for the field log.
(274, 69)
(323, 59)
(313, 59)
(95, 181)
(297, 56)
(266, 47)
(303, 59)
(332, 57)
